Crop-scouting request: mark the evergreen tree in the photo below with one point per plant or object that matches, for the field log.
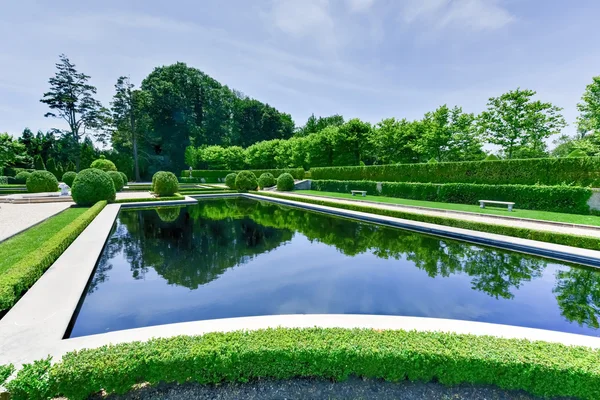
(70, 166)
(51, 167)
(38, 163)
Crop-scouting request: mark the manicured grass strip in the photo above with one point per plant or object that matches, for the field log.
(29, 265)
(164, 198)
(26, 242)
(519, 213)
(542, 369)
(542, 236)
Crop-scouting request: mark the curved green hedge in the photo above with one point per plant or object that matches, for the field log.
(543, 369)
(545, 171)
(565, 199)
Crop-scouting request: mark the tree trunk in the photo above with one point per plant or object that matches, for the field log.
(135, 160)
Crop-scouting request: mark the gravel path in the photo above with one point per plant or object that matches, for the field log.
(138, 194)
(518, 223)
(353, 388)
(17, 217)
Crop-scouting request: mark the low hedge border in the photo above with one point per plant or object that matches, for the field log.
(524, 233)
(31, 267)
(560, 198)
(542, 369)
(165, 198)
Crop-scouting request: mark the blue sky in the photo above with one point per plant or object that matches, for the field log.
(370, 59)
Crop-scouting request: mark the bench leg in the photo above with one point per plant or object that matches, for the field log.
(364, 195)
(353, 194)
(509, 207)
(481, 205)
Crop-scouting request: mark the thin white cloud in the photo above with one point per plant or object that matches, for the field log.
(306, 18)
(476, 15)
(360, 5)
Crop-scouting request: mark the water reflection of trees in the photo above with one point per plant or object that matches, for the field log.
(201, 242)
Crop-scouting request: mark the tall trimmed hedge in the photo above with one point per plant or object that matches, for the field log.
(542, 369)
(566, 199)
(216, 175)
(544, 171)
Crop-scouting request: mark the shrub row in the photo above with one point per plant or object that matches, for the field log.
(562, 198)
(545, 171)
(524, 233)
(542, 369)
(29, 269)
(216, 175)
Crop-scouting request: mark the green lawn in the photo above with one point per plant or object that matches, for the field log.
(17, 247)
(541, 215)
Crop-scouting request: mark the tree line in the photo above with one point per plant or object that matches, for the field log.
(180, 117)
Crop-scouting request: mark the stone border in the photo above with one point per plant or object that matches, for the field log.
(34, 328)
(550, 250)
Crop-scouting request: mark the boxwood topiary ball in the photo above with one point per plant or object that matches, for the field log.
(230, 180)
(246, 180)
(285, 182)
(68, 177)
(165, 183)
(117, 180)
(92, 185)
(266, 180)
(22, 176)
(103, 164)
(42, 181)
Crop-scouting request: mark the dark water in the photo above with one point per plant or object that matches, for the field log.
(241, 257)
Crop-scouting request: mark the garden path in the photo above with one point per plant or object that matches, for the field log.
(15, 218)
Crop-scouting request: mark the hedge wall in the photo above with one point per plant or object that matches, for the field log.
(542, 369)
(566, 199)
(546, 171)
(524, 233)
(215, 175)
(22, 275)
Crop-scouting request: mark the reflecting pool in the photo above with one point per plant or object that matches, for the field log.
(238, 257)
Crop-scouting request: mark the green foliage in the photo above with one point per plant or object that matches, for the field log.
(589, 119)
(544, 171)
(12, 152)
(230, 180)
(92, 185)
(542, 369)
(124, 177)
(22, 176)
(68, 177)
(70, 166)
(33, 381)
(212, 176)
(285, 182)
(3, 180)
(525, 233)
(246, 180)
(513, 120)
(577, 153)
(432, 161)
(165, 183)
(42, 181)
(103, 164)
(344, 186)
(168, 214)
(492, 157)
(38, 163)
(266, 180)
(51, 167)
(117, 179)
(24, 273)
(5, 372)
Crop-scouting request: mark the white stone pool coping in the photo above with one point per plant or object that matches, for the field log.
(35, 326)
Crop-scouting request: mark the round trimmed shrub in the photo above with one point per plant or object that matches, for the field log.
(103, 164)
(42, 181)
(230, 180)
(125, 178)
(92, 185)
(266, 180)
(165, 183)
(21, 177)
(246, 180)
(285, 182)
(117, 180)
(68, 177)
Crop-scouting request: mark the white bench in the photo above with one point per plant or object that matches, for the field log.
(363, 192)
(482, 203)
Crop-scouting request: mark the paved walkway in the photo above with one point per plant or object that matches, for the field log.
(15, 218)
(513, 222)
(138, 194)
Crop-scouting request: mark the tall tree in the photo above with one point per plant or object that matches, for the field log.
(12, 153)
(392, 141)
(71, 98)
(129, 117)
(589, 119)
(513, 120)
